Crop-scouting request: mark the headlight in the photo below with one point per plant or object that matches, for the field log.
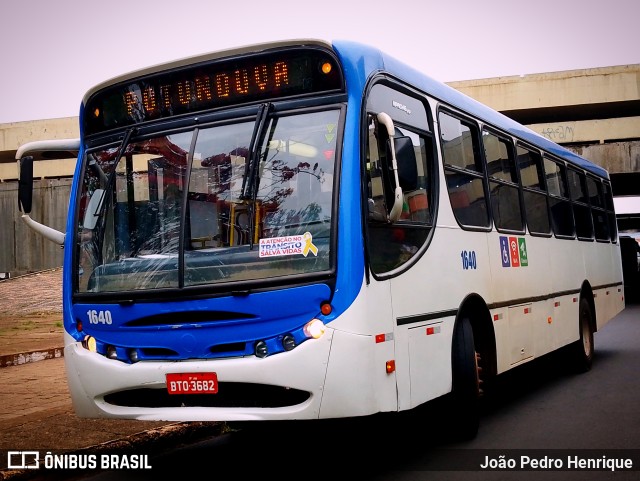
(314, 328)
(89, 343)
(261, 349)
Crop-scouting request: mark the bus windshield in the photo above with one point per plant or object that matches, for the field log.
(244, 201)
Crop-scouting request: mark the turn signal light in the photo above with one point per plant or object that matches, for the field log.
(326, 308)
(391, 366)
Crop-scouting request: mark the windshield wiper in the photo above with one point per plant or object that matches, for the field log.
(251, 163)
(250, 180)
(121, 149)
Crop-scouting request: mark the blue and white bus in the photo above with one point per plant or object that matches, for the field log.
(303, 230)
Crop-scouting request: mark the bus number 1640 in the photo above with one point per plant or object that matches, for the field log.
(99, 317)
(468, 260)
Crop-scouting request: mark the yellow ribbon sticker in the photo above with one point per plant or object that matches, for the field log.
(308, 245)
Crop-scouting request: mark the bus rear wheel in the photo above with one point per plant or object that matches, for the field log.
(466, 383)
(581, 351)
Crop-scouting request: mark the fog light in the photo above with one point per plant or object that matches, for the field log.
(288, 342)
(314, 328)
(261, 349)
(133, 355)
(111, 352)
(89, 343)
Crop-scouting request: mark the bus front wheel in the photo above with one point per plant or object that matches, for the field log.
(466, 383)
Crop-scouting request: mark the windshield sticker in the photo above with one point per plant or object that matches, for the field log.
(288, 245)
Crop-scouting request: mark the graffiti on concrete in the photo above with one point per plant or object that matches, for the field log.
(558, 133)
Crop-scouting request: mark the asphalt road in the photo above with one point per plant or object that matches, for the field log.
(541, 411)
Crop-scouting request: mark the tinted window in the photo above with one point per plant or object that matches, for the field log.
(533, 191)
(598, 212)
(581, 210)
(504, 193)
(464, 171)
(390, 245)
(559, 204)
(608, 199)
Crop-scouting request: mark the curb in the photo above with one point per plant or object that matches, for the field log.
(8, 360)
(151, 442)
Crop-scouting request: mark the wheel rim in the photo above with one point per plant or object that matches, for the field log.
(478, 374)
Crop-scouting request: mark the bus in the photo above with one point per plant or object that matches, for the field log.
(310, 230)
(626, 201)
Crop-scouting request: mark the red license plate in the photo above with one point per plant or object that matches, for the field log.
(192, 383)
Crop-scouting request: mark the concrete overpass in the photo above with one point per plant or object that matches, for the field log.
(595, 112)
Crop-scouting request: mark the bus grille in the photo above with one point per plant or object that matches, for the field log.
(230, 394)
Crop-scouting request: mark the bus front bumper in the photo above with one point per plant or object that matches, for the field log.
(287, 385)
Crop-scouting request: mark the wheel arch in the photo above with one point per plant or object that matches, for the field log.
(586, 292)
(475, 309)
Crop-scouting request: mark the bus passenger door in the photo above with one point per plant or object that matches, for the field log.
(397, 240)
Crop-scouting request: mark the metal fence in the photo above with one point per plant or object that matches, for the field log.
(21, 249)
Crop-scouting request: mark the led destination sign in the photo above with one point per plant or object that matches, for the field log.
(216, 84)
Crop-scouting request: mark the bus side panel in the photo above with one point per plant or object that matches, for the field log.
(425, 300)
(430, 346)
(610, 298)
(520, 273)
(357, 382)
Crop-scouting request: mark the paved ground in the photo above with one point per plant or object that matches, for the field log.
(35, 406)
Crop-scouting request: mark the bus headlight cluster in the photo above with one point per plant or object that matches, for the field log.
(261, 350)
(313, 329)
(288, 342)
(111, 352)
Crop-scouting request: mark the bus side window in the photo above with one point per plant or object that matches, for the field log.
(390, 245)
(580, 200)
(613, 223)
(559, 204)
(534, 194)
(504, 191)
(464, 171)
(598, 212)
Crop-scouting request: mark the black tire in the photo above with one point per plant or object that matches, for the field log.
(466, 383)
(581, 351)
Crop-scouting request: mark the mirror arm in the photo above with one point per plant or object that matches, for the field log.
(398, 197)
(45, 231)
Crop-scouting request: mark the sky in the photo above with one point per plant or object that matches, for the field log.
(52, 52)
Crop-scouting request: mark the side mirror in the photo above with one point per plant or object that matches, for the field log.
(407, 165)
(25, 184)
(92, 212)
